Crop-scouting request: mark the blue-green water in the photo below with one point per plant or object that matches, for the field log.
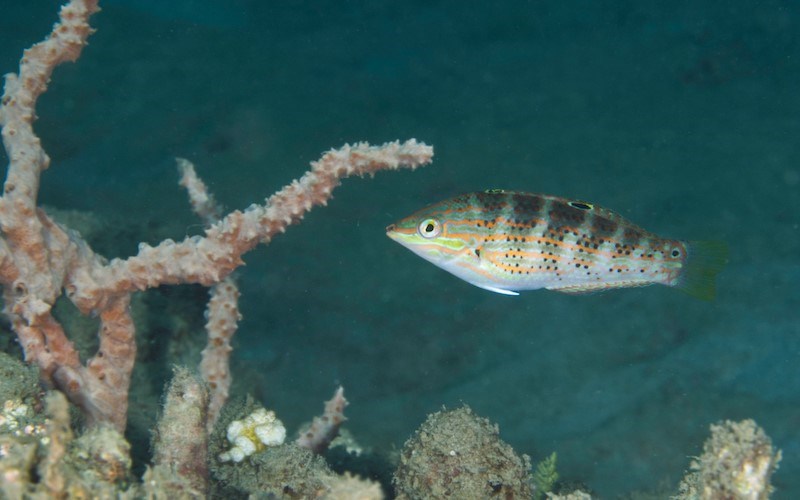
(682, 116)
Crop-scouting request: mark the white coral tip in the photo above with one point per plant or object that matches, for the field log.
(235, 430)
(271, 435)
(232, 455)
(245, 445)
(262, 416)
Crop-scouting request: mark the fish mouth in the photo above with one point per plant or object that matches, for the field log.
(400, 234)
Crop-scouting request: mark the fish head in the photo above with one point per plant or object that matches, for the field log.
(426, 233)
(449, 235)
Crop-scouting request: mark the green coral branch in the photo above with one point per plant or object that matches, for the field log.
(544, 477)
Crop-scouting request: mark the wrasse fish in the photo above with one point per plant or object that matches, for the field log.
(506, 241)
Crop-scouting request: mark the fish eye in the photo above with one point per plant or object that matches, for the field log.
(675, 253)
(429, 228)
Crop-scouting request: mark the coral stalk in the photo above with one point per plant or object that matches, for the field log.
(40, 260)
(222, 312)
(324, 429)
(180, 442)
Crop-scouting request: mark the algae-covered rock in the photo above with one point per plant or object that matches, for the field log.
(18, 381)
(737, 464)
(22, 428)
(458, 454)
(41, 458)
(101, 455)
(285, 471)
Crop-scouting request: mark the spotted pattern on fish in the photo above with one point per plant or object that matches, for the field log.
(507, 241)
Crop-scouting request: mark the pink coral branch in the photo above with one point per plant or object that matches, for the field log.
(40, 259)
(203, 203)
(223, 317)
(324, 429)
(222, 313)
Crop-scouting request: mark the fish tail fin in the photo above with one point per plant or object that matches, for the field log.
(704, 260)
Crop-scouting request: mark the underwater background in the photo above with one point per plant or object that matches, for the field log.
(682, 116)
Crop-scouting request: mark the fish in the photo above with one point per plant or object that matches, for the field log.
(510, 241)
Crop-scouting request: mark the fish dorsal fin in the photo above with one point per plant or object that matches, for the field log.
(498, 290)
(596, 287)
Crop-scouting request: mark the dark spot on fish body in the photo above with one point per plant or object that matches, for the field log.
(632, 236)
(603, 226)
(464, 200)
(527, 208)
(484, 200)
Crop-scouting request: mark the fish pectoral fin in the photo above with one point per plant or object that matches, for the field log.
(497, 290)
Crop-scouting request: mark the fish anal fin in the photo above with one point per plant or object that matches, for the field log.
(597, 287)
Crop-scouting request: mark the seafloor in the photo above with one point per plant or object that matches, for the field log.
(683, 116)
